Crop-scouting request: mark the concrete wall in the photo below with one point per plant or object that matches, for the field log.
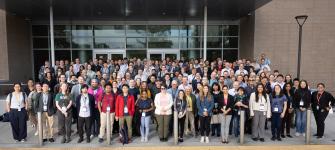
(4, 74)
(247, 29)
(276, 34)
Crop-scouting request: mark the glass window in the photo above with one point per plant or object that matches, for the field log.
(62, 30)
(81, 42)
(194, 30)
(214, 42)
(109, 43)
(115, 30)
(230, 54)
(214, 54)
(136, 30)
(163, 30)
(83, 55)
(40, 56)
(62, 42)
(82, 30)
(189, 54)
(40, 42)
(40, 30)
(183, 30)
(190, 42)
(62, 55)
(160, 42)
(137, 53)
(136, 43)
(214, 30)
(230, 30)
(230, 42)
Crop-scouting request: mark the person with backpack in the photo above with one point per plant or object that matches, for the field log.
(106, 104)
(16, 107)
(46, 105)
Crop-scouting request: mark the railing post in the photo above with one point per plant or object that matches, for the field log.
(40, 128)
(175, 127)
(242, 120)
(108, 129)
(308, 126)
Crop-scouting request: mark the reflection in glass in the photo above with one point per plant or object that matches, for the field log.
(39, 57)
(189, 54)
(230, 30)
(62, 42)
(109, 30)
(230, 42)
(116, 43)
(82, 30)
(41, 42)
(194, 30)
(62, 30)
(83, 55)
(62, 55)
(214, 42)
(190, 42)
(163, 42)
(136, 43)
(81, 42)
(214, 30)
(136, 30)
(163, 30)
(137, 53)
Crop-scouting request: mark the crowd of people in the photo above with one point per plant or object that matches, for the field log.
(207, 96)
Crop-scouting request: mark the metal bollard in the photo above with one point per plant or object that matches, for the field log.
(175, 127)
(40, 128)
(242, 121)
(308, 126)
(108, 129)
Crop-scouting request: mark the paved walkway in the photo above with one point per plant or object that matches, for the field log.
(6, 139)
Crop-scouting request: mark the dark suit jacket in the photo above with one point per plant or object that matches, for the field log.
(91, 103)
(50, 104)
(324, 100)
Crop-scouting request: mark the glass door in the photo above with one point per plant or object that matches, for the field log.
(160, 54)
(110, 54)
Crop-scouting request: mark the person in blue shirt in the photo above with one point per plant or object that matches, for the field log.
(205, 104)
(278, 109)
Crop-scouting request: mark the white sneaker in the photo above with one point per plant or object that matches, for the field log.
(142, 139)
(206, 139)
(297, 134)
(202, 139)
(36, 133)
(303, 134)
(145, 139)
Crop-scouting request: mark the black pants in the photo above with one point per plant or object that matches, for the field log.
(75, 115)
(196, 123)
(95, 125)
(87, 122)
(64, 124)
(286, 123)
(205, 125)
(216, 129)
(18, 121)
(181, 125)
(320, 117)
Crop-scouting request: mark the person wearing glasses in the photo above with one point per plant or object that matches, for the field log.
(163, 111)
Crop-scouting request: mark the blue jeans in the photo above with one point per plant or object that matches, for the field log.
(300, 121)
(145, 126)
(236, 125)
(276, 124)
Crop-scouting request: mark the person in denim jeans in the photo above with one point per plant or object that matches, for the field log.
(145, 106)
(302, 101)
(240, 103)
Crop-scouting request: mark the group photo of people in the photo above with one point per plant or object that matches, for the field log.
(141, 96)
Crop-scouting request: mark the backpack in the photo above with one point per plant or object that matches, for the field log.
(124, 135)
(5, 117)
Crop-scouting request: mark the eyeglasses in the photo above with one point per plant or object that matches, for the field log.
(163, 88)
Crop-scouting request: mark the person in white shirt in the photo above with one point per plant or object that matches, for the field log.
(233, 91)
(227, 68)
(241, 70)
(76, 66)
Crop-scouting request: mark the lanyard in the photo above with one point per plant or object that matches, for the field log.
(318, 97)
(17, 96)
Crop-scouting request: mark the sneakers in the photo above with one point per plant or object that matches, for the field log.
(303, 134)
(36, 133)
(202, 139)
(51, 140)
(101, 140)
(142, 139)
(23, 140)
(146, 139)
(297, 134)
(206, 139)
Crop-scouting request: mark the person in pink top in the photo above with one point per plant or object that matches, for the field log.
(96, 90)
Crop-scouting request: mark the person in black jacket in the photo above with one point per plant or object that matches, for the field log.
(322, 101)
(46, 105)
(287, 120)
(226, 105)
(85, 103)
(240, 103)
(302, 102)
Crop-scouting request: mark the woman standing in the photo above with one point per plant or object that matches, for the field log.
(240, 103)
(278, 109)
(180, 107)
(286, 122)
(215, 120)
(205, 104)
(63, 104)
(260, 109)
(32, 98)
(163, 111)
(226, 105)
(302, 101)
(145, 106)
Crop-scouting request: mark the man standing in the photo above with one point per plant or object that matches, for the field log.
(75, 91)
(322, 102)
(96, 91)
(46, 105)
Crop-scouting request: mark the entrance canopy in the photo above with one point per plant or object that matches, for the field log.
(132, 10)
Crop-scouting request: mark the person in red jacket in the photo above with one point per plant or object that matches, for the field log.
(124, 109)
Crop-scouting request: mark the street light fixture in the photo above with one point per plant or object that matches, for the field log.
(301, 21)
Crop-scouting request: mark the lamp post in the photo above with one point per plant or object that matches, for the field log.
(301, 21)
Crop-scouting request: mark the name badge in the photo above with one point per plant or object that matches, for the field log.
(19, 109)
(205, 109)
(261, 107)
(301, 103)
(125, 110)
(239, 112)
(143, 114)
(275, 109)
(45, 108)
(317, 107)
(95, 92)
(108, 109)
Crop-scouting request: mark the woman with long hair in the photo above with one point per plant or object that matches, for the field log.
(215, 120)
(302, 101)
(286, 122)
(226, 106)
(205, 104)
(180, 107)
(260, 109)
(278, 109)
